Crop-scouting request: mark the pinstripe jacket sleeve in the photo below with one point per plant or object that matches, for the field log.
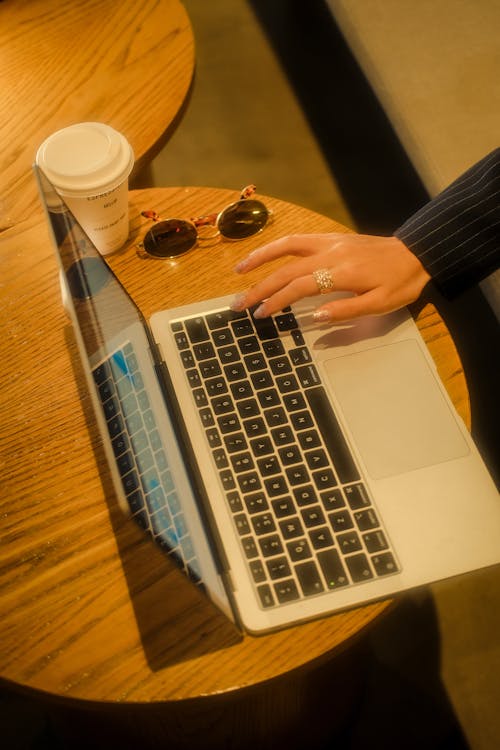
(456, 235)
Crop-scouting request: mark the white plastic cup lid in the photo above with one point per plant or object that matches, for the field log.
(85, 159)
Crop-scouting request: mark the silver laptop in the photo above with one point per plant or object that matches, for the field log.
(290, 470)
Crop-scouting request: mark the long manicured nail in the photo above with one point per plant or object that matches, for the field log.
(238, 302)
(321, 316)
(260, 312)
(241, 266)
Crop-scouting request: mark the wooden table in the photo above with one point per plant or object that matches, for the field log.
(92, 613)
(128, 64)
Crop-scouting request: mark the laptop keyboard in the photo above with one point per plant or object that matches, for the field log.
(140, 458)
(305, 519)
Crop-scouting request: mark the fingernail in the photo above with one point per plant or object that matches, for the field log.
(321, 316)
(241, 266)
(238, 302)
(260, 312)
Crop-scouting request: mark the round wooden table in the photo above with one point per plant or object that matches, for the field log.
(91, 614)
(128, 64)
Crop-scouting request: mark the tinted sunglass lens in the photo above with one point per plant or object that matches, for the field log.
(170, 238)
(242, 219)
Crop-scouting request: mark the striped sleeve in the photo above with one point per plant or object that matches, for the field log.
(456, 235)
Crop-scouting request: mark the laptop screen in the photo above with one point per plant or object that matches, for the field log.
(102, 307)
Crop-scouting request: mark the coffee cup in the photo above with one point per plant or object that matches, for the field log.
(89, 165)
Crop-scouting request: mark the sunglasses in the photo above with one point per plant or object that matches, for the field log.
(172, 237)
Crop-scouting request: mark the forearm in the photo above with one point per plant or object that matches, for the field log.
(456, 236)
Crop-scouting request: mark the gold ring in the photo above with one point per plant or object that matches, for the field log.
(323, 279)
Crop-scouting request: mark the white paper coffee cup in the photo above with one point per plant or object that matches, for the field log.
(89, 165)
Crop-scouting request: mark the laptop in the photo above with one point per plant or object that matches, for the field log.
(290, 470)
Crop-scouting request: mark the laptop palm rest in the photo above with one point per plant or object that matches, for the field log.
(399, 420)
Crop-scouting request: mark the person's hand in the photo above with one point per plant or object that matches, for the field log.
(381, 273)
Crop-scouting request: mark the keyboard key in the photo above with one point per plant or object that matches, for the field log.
(249, 547)
(255, 362)
(309, 578)
(298, 550)
(204, 351)
(332, 435)
(248, 408)
(234, 500)
(262, 379)
(384, 564)
(269, 466)
(276, 486)
(278, 567)
(242, 462)
(359, 567)
(308, 375)
(357, 496)
(265, 327)
(286, 322)
(220, 458)
(255, 426)
(222, 404)
(271, 545)
(242, 327)
(261, 446)
(235, 442)
(242, 389)
(196, 330)
(349, 542)
(234, 371)
(216, 386)
(333, 570)
(256, 503)
(282, 435)
(309, 439)
(292, 401)
(291, 528)
(366, 519)
(375, 541)
(321, 538)
(280, 366)
(324, 478)
(269, 397)
(300, 356)
(284, 506)
(273, 348)
(257, 570)
(263, 524)
(229, 354)
(290, 455)
(222, 337)
(227, 480)
(340, 521)
(242, 525)
(313, 516)
(265, 595)
(301, 420)
(305, 495)
(249, 345)
(332, 499)
(286, 591)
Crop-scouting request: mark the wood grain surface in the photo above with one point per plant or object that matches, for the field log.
(128, 64)
(89, 609)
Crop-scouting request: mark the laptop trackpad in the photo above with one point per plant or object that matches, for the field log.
(398, 417)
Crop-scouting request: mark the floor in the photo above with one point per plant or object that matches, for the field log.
(257, 114)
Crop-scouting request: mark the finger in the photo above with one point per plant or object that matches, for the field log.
(294, 278)
(349, 308)
(297, 244)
